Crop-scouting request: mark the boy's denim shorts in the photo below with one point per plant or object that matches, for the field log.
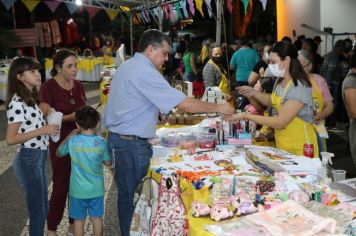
(79, 209)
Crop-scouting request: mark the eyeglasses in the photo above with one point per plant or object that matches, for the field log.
(165, 53)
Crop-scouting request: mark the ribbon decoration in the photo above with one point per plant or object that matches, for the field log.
(191, 7)
(177, 8)
(199, 6)
(264, 4)
(30, 4)
(71, 7)
(111, 13)
(8, 3)
(183, 5)
(52, 5)
(230, 6)
(145, 12)
(208, 4)
(245, 2)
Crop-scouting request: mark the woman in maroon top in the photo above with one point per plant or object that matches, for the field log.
(64, 94)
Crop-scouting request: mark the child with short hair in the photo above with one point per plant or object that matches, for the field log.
(87, 152)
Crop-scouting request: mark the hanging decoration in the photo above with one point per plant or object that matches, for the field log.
(111, 13)
(39, 31)
(8, 3)
(52, 5)
(241, 23)
(172, 14)
(264, 4)
(245, 2)
(191, 7)
(199, 6)
(30, 4)
(230, 6)
(177, 8)
(148, 16)
(183, 5)
(56, 33)
(71, 7)
(138, 17)
(47, 34)
(142, 18)
(165, 9)
(208, 4)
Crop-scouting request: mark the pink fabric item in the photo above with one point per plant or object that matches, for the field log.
(323, 86)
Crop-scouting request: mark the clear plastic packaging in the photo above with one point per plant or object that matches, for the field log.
(207, 141)
(188, 142)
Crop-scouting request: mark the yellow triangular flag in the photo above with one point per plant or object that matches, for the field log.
(124, 8)
(111, 13)
(199, 6)
(30, 4)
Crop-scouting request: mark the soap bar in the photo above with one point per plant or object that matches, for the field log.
(244, 136)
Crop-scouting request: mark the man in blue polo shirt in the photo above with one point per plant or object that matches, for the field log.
(138, 93)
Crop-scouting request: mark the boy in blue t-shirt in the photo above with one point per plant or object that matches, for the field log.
(87, 152)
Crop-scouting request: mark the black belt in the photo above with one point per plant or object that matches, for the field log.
(131, 137)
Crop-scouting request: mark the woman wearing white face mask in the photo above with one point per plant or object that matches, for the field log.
(291, 100)
(259, 69)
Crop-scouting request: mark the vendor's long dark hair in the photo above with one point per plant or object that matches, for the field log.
(284, 49)
(17, 67)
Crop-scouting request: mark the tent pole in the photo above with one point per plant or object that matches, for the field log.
(218, 21)
(131, 37)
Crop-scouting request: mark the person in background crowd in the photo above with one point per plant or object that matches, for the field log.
(190, 63)
(243, 61)
(299, 42)
(259, 69)
(65, 94)
(310, 46)
(27, 128)
(349, 97)
(204, 54)
(214, 73)
(88, 153)
(330, 71)
(317, 41)
(291, 100)
(287, 39)
(131, 115)
(322, 100)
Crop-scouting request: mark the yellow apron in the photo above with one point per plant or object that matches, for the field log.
(224, 83)
(292, 137)
(318, 106)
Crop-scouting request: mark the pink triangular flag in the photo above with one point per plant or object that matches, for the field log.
(172, 14)
(229, 6)
(191, 7)
(52, 5)
(92, 11)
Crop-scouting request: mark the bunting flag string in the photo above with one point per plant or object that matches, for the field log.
(183, 5)
(52, 5)
(8, 3)
(177, 8)
(138, 17)
(191, 7)
(111, 13)
(264, 4)
(71, 7)
(208, 4)
(30, 4)
(199, 6)
(245, 2)
(230, 6)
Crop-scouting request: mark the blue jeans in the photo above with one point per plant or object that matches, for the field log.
(132, 159)
(30, 171)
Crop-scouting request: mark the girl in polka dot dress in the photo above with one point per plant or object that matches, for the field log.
(28, 129)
